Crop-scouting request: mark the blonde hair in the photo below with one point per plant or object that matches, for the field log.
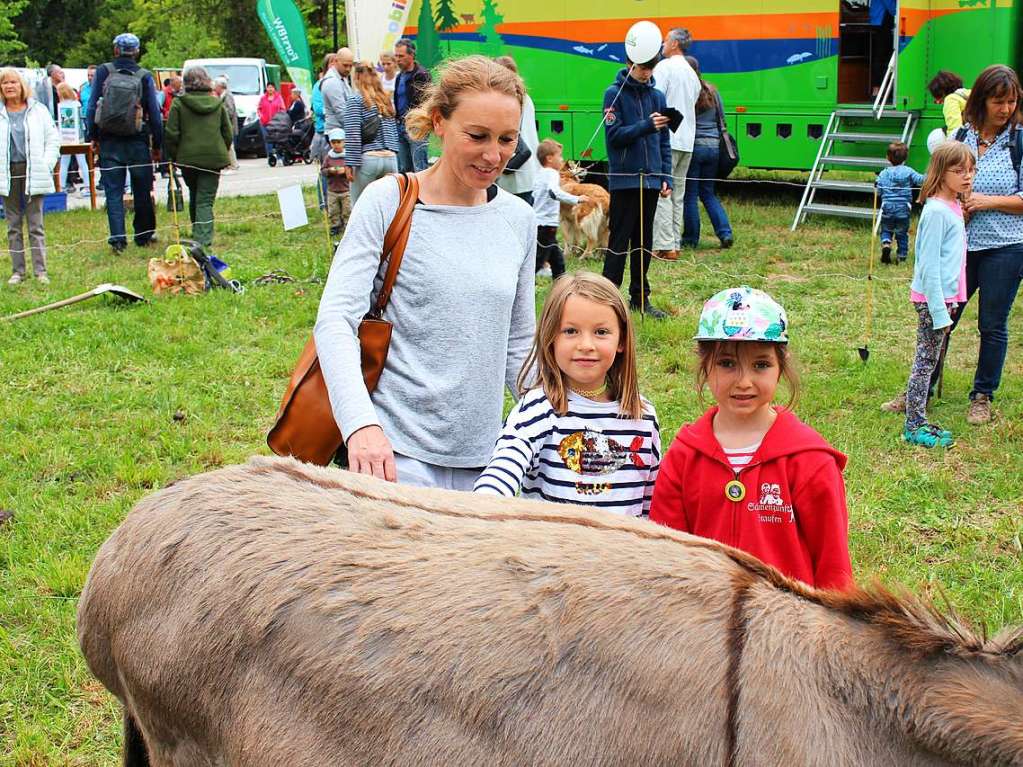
(622, 379)
(546, 149)
(66, 93)
(26, 89)
(367, 83)
(951, 154)
(471, 74)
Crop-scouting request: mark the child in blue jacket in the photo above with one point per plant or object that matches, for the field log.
(638, 142)
(895, 187)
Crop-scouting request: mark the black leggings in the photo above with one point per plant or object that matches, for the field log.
(548, 250)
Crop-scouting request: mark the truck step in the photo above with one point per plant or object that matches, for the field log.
(863, 112)
(847, 211)
(837, 185)
(884, 138)
(856, 162)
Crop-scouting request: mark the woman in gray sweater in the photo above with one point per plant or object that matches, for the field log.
(463, 305)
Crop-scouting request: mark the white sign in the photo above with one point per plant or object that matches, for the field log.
(374, 27)
(292, 207)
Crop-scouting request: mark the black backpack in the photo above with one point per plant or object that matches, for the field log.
(119, 109)
(1015, 145)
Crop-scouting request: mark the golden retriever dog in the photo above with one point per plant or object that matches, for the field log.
(584, 227)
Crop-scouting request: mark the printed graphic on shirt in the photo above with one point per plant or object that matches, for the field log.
(592, 453)
(771, 508)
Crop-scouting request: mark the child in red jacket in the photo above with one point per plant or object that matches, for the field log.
(747, 473)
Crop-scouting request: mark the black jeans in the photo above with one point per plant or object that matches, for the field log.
(631, 235)
(548, 250)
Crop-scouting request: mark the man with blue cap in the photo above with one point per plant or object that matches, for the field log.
(124, 124)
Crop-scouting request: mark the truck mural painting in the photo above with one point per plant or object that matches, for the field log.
(782, 67)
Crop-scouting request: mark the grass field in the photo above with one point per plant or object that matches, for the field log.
(104, 402)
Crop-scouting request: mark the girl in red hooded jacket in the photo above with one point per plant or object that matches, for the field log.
(747, 473)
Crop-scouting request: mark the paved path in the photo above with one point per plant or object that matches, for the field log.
(255, 177)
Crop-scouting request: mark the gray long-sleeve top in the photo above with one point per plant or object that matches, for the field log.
(463, 309)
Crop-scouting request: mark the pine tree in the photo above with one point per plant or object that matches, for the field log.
(492, 42)
(427, 39)
(446, 20)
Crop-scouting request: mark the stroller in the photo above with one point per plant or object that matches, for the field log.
(292, 142)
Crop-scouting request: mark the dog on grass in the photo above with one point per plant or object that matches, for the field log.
(584, 227)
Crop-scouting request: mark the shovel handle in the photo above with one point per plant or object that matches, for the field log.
(48, 307)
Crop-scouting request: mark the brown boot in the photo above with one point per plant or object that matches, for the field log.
(668, 255)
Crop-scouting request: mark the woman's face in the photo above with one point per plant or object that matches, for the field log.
(10, 87)
(999, 108)
(270, 91)
(480, 136)
(389, 67)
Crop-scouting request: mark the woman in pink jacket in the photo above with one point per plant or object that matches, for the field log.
(270, 103)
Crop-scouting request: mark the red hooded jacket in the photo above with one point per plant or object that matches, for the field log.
(793, 515)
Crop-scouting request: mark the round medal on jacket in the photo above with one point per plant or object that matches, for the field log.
(735, 491)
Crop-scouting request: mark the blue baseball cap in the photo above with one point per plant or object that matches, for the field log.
(126, 42)
(336, 134)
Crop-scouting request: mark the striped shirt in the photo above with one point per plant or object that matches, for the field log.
(739, 457)
(355, 112)
(589, 456)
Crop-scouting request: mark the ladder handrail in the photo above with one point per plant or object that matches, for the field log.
(825, 142)
(886, 86)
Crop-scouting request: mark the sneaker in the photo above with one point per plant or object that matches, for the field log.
(980, 410)
(545, 272)
(16, 279)
(897, 405)
(119, 247)
(886, 252)
(84, 192)
(928, 435)
(649, 310)
(43, 279)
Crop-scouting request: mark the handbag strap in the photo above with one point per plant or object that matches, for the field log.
(397, 237)
(719, 108)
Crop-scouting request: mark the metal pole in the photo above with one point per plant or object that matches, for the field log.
(333, 5)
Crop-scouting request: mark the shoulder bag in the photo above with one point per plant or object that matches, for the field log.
(305, 426)
(728, 151)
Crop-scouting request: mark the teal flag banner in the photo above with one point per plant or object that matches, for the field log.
(284, 24)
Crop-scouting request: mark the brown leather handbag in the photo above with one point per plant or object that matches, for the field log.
(305, 426)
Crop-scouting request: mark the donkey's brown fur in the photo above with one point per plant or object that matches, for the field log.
(279, 614)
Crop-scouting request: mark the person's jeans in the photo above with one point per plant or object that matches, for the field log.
(996, 273)
(202, 192)
(412, 155)
(129, 157)
(65, 163)
(372, 168)
(897, 226)
(703, 168)
(668, 219)
(20, 209)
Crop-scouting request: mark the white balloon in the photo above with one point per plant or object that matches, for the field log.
(642, 42)
(935, 139)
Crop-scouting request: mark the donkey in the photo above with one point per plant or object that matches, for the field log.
(280, 614)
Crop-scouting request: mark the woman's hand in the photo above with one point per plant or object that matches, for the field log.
(977, 201)
(370, 452)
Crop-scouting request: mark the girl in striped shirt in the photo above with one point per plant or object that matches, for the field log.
(581, 433)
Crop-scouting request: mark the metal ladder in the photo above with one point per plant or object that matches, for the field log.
(837, 132)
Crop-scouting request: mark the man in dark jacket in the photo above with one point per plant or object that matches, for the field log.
(412, 82)
(639, 163)
(132, 155)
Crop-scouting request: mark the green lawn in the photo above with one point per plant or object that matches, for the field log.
(91, 393)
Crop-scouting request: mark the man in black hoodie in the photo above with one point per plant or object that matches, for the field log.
(131, 155)
(639, 167)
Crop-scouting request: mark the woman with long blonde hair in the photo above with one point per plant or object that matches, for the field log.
(463, 304)
(371, 132)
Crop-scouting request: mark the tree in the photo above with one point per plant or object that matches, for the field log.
(493, 45)
(51, 28)
(427, 39)
(446, 20)
(12, 49)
